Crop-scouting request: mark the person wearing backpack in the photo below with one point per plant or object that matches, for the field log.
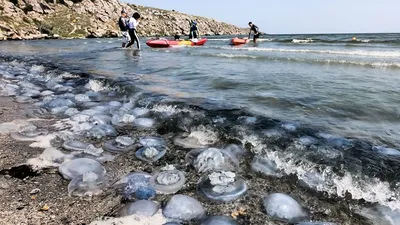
(122, 22)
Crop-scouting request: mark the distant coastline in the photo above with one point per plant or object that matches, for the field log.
(70, 19)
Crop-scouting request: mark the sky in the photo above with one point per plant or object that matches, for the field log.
(294, 16)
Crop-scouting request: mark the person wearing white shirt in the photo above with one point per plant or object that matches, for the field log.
(132, 26)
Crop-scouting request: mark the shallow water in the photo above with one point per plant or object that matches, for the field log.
(324, 110)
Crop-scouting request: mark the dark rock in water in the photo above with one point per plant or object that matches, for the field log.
(141, 207)
(218, 220)
(182, 207)
(284, 208)
(221, 187)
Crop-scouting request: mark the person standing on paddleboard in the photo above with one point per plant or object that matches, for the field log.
(194, 30)
(254, 28)
(122, 22)
(132, 25)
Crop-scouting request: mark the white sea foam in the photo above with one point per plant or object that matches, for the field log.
(302, 41)
(95, 85)
(382, 54)
(323, 179)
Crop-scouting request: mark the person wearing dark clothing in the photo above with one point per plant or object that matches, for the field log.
(177, 37)
(132, 26)
(122, 22)
(254, 28)
(194, 30)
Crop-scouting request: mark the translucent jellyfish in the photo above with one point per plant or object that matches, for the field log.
(46, 93)
(24, 99)
(247, 119)
(83, 147)
(144, 123)
(101, 131)
(381, 215)
(218, 220)
(37, 113)
(235, 150)
(336, 141)
(182, 207)
(82, 98)
(273, 134)
(211, 159)
(138, 112)
(80, 117)
(265, 166)
(59, 102)
(115, 104)
(152, 153)
(284, 208)
(59, 110)
(221, 187)
(152, 141)
(168, 182)
(188, 142)
(77, 167)
(120, 144)
(305, 142)
(121, 120)
(132, 176)
(71, 111)
(89, 184)
(28, 135)
(100, 119)
(290, 126)
(386, 151)
(141, 207)
(138, 186)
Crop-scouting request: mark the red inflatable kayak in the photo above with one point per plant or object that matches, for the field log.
(164, 43)
(239, 41)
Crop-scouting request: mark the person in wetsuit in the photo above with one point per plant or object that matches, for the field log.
(254, 28)
(194, 31)
(122, 22)
(132, 26)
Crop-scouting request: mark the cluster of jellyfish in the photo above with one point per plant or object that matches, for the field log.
(88, 114)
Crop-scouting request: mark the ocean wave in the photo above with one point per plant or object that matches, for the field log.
(302, 41)
(382, 54)
(376, 64)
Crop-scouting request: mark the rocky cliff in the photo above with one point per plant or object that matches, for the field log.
(32, 19)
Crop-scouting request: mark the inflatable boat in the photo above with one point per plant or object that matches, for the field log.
(239, 41)
(164, 43)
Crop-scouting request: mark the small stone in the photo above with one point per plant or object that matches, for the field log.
(34, 191)
(45, 208)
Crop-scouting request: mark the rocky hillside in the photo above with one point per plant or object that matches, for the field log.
(32, 19)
